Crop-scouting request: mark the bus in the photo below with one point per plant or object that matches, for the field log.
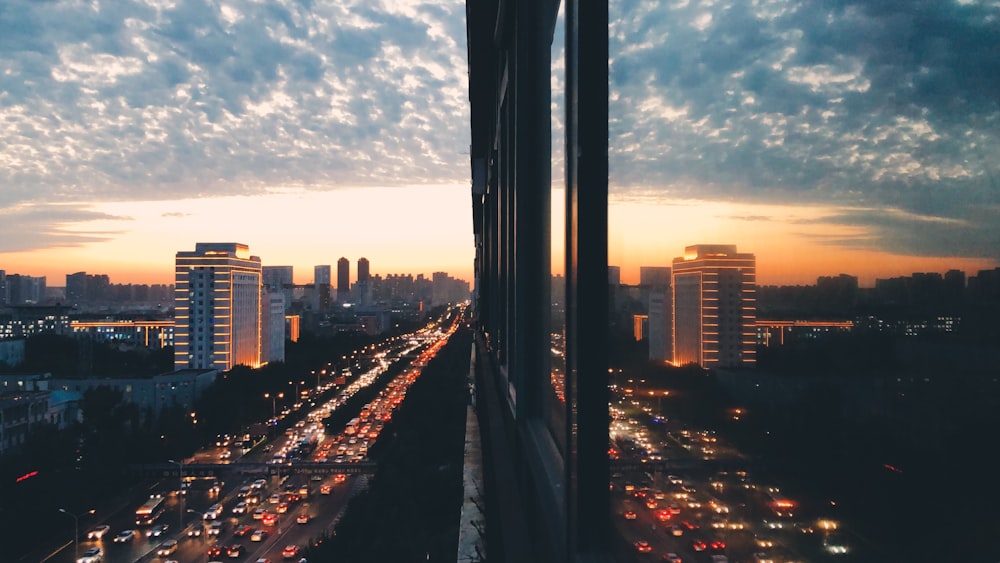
(352, 426)
(150, 510)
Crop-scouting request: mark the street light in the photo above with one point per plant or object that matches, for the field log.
(180, 492)
(274, 408)
(76, 530)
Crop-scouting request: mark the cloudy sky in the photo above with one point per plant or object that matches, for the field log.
(825, 136)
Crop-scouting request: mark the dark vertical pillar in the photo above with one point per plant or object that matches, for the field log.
(532, 202)
(587, 274)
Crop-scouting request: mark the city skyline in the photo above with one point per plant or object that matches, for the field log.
(312, 131)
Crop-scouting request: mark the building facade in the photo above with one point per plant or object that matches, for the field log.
(217, 307)
(343, 279)
(279, 278)
(715, 307)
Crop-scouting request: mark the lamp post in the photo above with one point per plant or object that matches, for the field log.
(180, 492)
(274, 398)
(76, 530)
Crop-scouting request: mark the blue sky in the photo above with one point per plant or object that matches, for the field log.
(859, 126)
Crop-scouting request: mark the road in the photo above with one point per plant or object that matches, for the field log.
(283, 498)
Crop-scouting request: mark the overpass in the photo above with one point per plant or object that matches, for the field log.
(165, 470)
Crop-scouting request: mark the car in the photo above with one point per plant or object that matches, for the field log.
(325, 489)
(269, 519)
(689, 525)
(258, 535)
(234, 551)
(290, 551)
(157, 531)
(259, 513)
(213, 512)
(676, 530)
(125, 536)
(302, 518)
(663, 515)
(339, 478)
(263, 560)
(244, 491)
(717, 545)
(698, 545)
(672, 558)
(215, 529)
(642, 546)
(243, 530)
(240, 508)
(282, 508)
(98, 532)
(167, 548)
(258, 484)
(651, 504)
(674, 508)
(274, 498)
(195, 531)
(92, 555)
(214, 551)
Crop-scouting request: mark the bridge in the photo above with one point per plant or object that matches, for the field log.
(166, 470)
(682, 465)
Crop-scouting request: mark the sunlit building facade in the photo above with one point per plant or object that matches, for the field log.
(715, 306)
(218, 307)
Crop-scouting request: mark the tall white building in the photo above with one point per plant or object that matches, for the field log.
(273, 327)
(217, 301)
(715, 306)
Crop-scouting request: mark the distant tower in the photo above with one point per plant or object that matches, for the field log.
(363, 274)
(343, 279)
(217, 299)
(321, 278)
(715, 306)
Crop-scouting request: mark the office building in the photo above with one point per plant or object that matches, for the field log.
(321, 279)
(715, 306)
(279, 278)
(547, 471)
(272, 326)
(218, 307)
(343, 279)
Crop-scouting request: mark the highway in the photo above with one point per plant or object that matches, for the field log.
(210, 504)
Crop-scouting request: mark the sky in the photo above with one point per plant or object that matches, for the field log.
(825, 136)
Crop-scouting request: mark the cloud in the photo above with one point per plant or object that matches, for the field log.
(853, 103)
(145, 100)
(885, 105)
(35, 226)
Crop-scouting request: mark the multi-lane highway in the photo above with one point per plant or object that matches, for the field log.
(255, 503)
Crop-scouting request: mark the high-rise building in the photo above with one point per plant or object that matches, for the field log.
(279, 278)
(363, 270)
(272, 324)
(715, 306)
(217, 301)
(654, 283)
(321, 279)
(343, 279)
(76, 288)
(3, 288)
